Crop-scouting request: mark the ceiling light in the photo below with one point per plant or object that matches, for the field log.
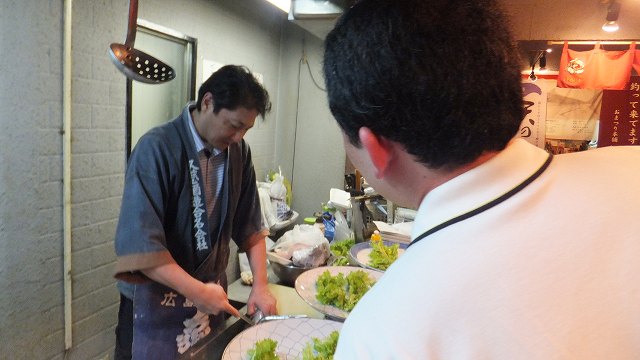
(284, 5)
(610, 26)
(613, 11)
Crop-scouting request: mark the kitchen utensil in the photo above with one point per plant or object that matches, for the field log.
(135, 64)
(258, 317)
(288, 273)
(280, 317)
(246, 319)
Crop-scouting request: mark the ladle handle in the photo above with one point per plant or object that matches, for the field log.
(133, 18)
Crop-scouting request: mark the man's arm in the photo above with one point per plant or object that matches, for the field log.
(260, 296)
(208, 297)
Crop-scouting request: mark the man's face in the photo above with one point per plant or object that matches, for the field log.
(227, 126)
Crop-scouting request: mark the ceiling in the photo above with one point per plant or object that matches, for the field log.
(571, 19)
(531, 19)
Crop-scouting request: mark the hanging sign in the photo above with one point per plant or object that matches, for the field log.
(620, 116)
(532, 127)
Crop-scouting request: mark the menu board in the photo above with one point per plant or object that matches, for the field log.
(620, 116)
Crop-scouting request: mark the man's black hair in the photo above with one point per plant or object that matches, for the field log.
(234, 86)
(439, 76)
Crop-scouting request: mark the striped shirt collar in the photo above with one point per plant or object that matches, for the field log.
(197, 140)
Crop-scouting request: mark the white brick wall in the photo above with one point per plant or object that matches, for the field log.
(30, 180)
(31, 287)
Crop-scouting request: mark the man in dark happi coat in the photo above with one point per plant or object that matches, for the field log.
(190, 187)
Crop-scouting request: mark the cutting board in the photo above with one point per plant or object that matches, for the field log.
(290, 303)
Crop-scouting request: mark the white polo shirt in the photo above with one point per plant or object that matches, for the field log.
(551, 273)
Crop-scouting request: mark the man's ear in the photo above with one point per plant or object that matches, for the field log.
(207, 101)
(380, 150)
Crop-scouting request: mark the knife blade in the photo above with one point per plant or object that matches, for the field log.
(246, 319)
(281, 317)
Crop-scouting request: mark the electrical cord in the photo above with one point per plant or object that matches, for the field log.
(295, 133)
(304, 59)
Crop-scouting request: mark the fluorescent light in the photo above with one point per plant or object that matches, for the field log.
(284, 5)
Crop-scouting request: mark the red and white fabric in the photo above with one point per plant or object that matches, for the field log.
(596, 69)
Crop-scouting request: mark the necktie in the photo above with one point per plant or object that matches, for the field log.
(212, 171)
(205, 155)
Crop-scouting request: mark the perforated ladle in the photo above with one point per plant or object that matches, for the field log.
(135, 64)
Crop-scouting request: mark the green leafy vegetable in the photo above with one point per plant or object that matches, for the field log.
(340, 249)
(340, 291)
(321, 349)
(331, 289)
(264, 349)
(382, 256)
(340, 261)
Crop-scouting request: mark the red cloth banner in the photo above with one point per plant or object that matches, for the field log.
(620, 116)
(595, 69)
(636, 62)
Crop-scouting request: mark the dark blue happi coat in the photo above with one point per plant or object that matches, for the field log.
(164, 216)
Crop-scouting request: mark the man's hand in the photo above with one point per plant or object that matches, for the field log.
(209, 297)
(261, 298)
(212, 299)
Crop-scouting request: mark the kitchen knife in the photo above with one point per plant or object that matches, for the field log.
(246, 319)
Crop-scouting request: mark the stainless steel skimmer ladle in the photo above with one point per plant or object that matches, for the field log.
(135, 64)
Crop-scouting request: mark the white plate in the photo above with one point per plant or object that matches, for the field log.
(306, 287)
(292, 336)
(360, 252)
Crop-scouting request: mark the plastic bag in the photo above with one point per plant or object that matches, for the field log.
(342, 231)
(269, 217)
(305, 245)
(278, 194)
(283, 212)
(312, 256)
(278, 190)
(335, 226)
